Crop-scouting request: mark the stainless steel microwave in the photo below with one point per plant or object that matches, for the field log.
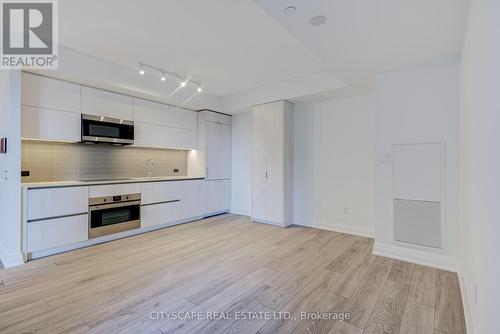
(99, 129)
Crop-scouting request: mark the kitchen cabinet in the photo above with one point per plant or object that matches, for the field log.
(152, 135)
(50, 109)
(163, 114)
(114, 189)
(217, 196)
(47, 93)
(56, 202)
(218, 151)
(156, 192)
(50, 124)
(51, 233)
(193, 198)
(161, 214)
(99, 102)
(272, 163)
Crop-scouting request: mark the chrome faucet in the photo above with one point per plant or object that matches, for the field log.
(149, 165)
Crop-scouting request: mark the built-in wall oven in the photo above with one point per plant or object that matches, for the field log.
(97, 129)
(113, 214)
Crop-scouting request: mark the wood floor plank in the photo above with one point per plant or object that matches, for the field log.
(342, 327)
(449, 315)
(388, 312)
(361, 305)
(422, 286)
(417, 319)
(349, 255)
(401, 272)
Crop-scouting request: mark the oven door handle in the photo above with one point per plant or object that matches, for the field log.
(113, 205)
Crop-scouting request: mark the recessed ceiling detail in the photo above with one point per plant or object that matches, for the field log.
(318, 20)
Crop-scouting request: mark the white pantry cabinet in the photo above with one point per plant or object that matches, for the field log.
(99, 102)
(217, 196)
(43, 92)
(218, 151)
(272, 163)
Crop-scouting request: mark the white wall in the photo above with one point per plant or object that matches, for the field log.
(241, 168)
(418, 105)
(333, 166)
(10, 188)
(480, 167)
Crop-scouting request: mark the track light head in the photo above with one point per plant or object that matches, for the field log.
(183, 83)
(199, 90)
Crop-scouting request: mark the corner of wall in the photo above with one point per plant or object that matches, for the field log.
(466, 300)
(417, 256)
(10, 260)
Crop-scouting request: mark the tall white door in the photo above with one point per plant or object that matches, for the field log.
(259, 163)
(274, 145)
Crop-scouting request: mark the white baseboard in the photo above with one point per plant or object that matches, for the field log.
(240, 211)
(12, 259)
(466, 301)
(416, 256)
(342, 228)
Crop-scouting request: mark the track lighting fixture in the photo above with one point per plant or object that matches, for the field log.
(163, 74)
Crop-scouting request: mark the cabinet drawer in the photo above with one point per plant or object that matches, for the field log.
(155, 192)
(152, 215)
(115, 189)
(58, 232)
(56, 202)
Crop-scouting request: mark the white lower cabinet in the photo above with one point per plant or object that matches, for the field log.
(217, 196)
(193, 199)
(163, 213)
(156, 192)
(50, 233)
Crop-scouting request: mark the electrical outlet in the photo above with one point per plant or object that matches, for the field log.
(476, 295)
(176, 170)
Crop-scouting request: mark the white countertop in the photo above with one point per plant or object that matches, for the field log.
(54, 184)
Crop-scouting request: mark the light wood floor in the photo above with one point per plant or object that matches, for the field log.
(226, 264)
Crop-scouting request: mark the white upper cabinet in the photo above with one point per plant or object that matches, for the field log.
(218, 151)
(50, 124)
(161, 125)
(103, 103)
(42, 92)
(162, 114)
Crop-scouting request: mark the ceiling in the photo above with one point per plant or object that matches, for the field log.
(228, 45)
(363, 37)
(238, 45)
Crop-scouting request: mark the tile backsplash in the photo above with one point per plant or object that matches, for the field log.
(49, 161)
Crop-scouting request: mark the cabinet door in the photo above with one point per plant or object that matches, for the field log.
(217, 196)
(218, 151)
(274, 158)
(259, 163)
(152, 135)
(103, 103)
(42, 92)
(46, 234)
(50, 124)
(193, 198)
(164, 213)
